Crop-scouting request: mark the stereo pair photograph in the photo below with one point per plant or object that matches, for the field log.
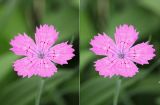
(79, 52)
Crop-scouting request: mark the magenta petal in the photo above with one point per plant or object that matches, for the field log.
(109, 67)
(45, 68)
(105, 66)
(23, 45)
(125, 68)
(61, 53)
(40, 54)
(103, 45)
(125, 36)
(141, 53)
(45, 36)
(121, 56)
(25, 67)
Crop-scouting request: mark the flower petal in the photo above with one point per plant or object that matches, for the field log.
(29, 66)
(23, 45)
(109, 67)
(105, 66)
(45, 36)
(25, 66)
(45, 68)
(125, 36)
(125, 68)
(141, 53)
(61, 53)
(103, 45)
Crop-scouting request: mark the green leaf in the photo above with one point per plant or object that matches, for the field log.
(152, 5)
(104, 93)
(75, 3)
(6, 11)
(6, 63)
(148, 85)
(87, 30)
(15, 20)
(65, 21)
(85, 57)
(158, 101)
(26, 88)
(72, 86)
(144, 21)
(95, 87)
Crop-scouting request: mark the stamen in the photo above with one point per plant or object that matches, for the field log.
(41, 55)
(121, 55)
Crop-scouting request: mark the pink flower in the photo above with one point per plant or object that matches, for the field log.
(40, 54)
(121, 54)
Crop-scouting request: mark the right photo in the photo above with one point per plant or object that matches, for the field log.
(119, 52)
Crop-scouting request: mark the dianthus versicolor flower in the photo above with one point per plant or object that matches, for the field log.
(40, 54)
(121, 54)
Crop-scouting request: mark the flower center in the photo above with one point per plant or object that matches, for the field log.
(121, 55)
(41, 55)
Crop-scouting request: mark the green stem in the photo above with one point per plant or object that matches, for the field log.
(118, 85)
(41, 85)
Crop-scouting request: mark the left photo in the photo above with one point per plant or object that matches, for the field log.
(39, 52)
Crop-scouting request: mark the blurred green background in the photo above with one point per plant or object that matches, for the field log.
(98, 16)
(19, 16)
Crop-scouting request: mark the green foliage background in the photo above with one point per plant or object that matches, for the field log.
(95, 16)
(98, 16)
(19, 16)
